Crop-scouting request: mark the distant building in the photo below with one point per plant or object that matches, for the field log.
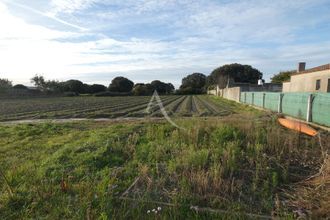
(233, 89)
(261, 86)
(316, 79)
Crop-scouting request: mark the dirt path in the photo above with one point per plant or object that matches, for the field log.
(67, 120)
(119, 119)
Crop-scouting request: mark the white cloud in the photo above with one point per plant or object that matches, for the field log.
(70, 6)
(49, 15)
(15, 28)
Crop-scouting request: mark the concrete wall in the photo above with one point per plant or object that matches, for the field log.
(286, 87)
(306, 82)
(232, 93)
(212, 92)
(266, 87)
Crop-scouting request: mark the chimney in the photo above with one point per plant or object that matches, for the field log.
(301, 66)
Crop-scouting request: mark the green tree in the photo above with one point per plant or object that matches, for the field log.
(73, 85)
(55, 86)
(39, 82)
(5, 84)
(143, 89)
(121, 84)
(162, 88)
(193, 84)
(20, 86)
(170, 88)
(96, 88)
(282, 76)
(237, 72)
(48, 85)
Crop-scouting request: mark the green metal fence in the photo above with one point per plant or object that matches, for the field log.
(258, 99)
(242, 97)
(313, 107)
(271, 100)
(248, 98)
(295, 104)
(321, 109)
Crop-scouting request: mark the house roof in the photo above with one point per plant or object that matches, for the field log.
(315, 69)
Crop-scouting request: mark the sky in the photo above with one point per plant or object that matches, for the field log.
(97, 40)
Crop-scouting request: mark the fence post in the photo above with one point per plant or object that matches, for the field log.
(252, 98)
(309, 108)
(263, 99)
(279, 108)
(244, 97)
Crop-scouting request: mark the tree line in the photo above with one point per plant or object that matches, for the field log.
(195, 83)
(118, 86)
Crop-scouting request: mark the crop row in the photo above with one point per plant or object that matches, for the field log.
(33, 106)
(96, 107)
(54, 107)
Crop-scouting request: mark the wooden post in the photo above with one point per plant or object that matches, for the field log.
(309, 108)
(252, 98)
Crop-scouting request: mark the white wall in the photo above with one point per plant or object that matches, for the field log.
(232, 93)
(306, 82)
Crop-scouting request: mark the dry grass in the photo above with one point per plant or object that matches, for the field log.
(311, 197)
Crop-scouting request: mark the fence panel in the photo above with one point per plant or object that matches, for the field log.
(242, 97)
(321, 109)
(295, 104)
(249, 98)
(271, 100)
(258, 99)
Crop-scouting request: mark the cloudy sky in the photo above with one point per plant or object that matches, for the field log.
(96, 40)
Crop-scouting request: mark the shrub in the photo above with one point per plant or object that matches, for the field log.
(226, 134)
(198, 158)
(100, 94)
(20, 86)
(70, 94)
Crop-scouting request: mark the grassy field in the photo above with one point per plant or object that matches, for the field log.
(243, 165)
(108, 107)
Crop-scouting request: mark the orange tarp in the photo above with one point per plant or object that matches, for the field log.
(297, 126)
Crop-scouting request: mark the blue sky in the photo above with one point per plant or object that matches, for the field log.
(96, 40)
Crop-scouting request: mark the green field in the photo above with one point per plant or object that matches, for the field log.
(239, 165)
(108, 107)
